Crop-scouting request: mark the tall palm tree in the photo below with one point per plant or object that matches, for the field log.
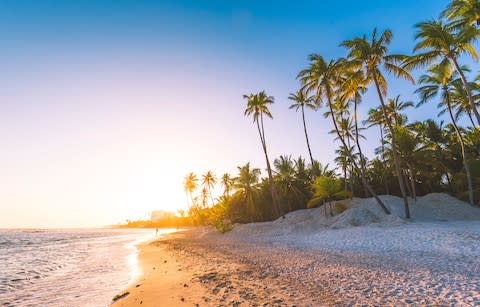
(322, 78)
(257, 107)
(208, 182)
(438, 42)
(189, 185)
(227, 182)
(372, 57)
(375, 117)
(347, 131)
(352, 89)
(302, 100)
(439, 82)
(463, 12)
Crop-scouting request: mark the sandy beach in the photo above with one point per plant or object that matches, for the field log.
(285, 263)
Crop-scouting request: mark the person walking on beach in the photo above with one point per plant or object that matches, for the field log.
(156, 232)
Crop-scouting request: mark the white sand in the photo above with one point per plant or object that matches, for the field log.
(373, 258)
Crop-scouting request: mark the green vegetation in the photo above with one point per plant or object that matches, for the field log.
(411, 159)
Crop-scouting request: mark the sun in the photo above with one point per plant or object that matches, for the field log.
(150, 189)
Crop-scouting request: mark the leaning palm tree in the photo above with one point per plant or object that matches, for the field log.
(257, 107)
(189, 185)
(208, 182)
(438, 42)
(371, 56)
(463, 12)
(439, 82)
(302, 100)
(322, 78)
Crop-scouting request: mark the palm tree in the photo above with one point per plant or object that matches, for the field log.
(353, 88)
(288, 184)
(301, 170)
(442, 42)
(301, 100)
(410, 150)
(257, 107)
(189, 185)
(343, 161)
(246, 184)
(375, 117)
(326, 189)
(372, 56)
(208, 182)
(394, 108)
(317, 170)
(439, 82)
(322, 78)
(203, 197)
(227, 182)
(463, 12)
(460, 98)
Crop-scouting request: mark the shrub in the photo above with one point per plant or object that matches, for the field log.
(339, 207)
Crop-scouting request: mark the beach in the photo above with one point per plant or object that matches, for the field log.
(286, 263)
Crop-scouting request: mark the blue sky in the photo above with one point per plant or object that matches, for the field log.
(106, 105)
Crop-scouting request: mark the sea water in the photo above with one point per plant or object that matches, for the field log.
(83, 267)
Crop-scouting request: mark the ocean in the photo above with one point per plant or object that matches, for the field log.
(82, 267)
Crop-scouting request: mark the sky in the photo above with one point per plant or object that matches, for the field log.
(106, 105)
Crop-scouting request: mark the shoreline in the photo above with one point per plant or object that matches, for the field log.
(160, 277)
(183, 269)
(198, 268)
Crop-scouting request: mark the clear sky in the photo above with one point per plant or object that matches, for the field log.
(106, 105)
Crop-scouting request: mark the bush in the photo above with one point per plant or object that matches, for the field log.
(223, 226)
(339, 207)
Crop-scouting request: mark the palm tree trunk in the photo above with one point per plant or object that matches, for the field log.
(306, 135)
(412, 181)
(351, 165)
(471, 119)
(364, 181)
(351, 182)
(211, 196)
(409, 188)
(357, 141)
(384, 177)
(269, 168)
(396, 160)
(464, 157)
(467, 89)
